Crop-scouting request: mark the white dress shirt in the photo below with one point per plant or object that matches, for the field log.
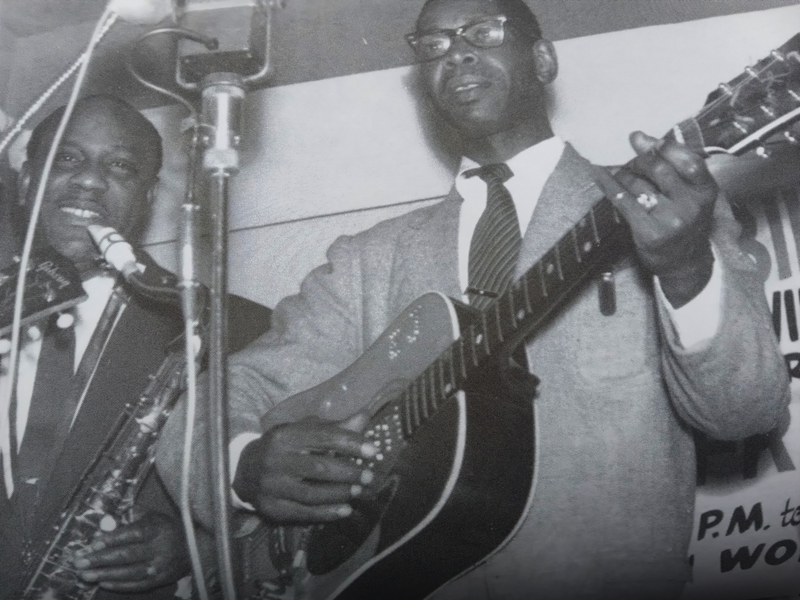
(87, 315)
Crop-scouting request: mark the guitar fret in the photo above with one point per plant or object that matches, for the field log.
(541, 278)
(512, 289)
(482, 339)
(526, 295)
(447, 387)
(583, 239)
(558, 262)
(423, 401)
(571, 266)
(462, 359)
(594, 225)
(497, 308)
(574, 237)
(419, 400)
(408, 429)
(438, 373)
(473, 351)
(430, 391)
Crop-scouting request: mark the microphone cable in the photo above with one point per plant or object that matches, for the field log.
(7, 429)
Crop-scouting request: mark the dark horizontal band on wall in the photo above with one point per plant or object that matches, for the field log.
(319, 39)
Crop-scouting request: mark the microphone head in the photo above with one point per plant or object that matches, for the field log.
(142, 12)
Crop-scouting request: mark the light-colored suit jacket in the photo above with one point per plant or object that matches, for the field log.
(618, 402)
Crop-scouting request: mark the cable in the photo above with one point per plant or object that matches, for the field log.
(34, 108)
(190, 288)
(189, 292)
(106, 21)
(209, 42)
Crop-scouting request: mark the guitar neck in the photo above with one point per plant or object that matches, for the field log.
(765, 98)
(596, 240)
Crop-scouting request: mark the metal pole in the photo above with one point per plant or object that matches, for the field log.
(222, 98)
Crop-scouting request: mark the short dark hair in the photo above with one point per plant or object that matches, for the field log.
(520, 16)
(50, 123)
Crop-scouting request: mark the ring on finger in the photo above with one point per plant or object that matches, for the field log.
(647, 201)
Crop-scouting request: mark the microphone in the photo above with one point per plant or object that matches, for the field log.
(142, 12)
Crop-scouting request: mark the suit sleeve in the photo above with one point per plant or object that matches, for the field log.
(313, 335)
(735, 384)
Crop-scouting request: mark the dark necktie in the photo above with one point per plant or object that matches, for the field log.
(51, 401)
(497, 239)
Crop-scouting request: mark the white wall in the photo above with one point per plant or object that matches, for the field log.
(354, 147)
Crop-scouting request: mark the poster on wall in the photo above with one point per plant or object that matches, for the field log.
(746, 536)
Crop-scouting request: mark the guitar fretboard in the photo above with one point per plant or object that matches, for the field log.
(523, 308)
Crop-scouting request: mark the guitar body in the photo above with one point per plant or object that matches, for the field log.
(445, 497)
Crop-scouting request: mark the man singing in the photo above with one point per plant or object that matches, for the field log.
(75, 382)
(686, 346)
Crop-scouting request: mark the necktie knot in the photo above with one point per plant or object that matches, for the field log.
(492, 173)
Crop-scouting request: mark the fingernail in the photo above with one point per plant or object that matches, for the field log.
(81, 563)
(367, 476)
(98, 546)
(344, 511)
(151, 570)
(355, 490)
(368, 450)
(81, 552)
(90, 576)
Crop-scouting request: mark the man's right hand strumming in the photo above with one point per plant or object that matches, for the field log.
(305, 472)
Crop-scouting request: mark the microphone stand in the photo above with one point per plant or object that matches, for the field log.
(222, 99)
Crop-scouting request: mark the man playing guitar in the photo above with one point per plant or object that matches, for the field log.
(674, 339)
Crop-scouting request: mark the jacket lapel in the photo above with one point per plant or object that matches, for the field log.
(427, 256)
(567, 196)
(134, 352)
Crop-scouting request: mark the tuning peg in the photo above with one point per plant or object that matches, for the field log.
(790, 137)
(762, 152)
(5, 346)
(65, 320)
(726, 89)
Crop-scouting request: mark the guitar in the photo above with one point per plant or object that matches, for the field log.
(52, 285)
(445, 436)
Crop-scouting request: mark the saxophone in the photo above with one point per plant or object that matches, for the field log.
(105, 496)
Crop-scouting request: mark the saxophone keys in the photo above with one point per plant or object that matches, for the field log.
(108, 523)
(65, 320)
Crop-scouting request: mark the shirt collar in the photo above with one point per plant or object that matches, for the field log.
(544, 155)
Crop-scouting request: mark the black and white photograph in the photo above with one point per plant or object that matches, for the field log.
(400, 299)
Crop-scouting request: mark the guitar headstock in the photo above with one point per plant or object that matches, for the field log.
(52, 285)
(740, 114)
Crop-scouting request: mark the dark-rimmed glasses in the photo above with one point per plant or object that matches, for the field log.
(486, 33)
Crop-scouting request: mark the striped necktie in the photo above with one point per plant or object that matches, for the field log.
(497, 238)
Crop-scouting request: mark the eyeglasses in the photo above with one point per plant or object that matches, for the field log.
(430, 45)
